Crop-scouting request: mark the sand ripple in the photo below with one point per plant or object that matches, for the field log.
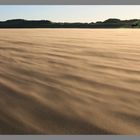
(69, 81)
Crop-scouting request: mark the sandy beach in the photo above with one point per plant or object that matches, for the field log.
(69, 81)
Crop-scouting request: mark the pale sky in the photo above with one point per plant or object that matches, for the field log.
(70, 13)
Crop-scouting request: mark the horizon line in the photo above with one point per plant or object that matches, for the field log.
(66, 21)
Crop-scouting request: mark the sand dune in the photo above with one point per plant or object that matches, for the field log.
(69, 81)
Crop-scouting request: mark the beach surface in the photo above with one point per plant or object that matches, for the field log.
(69, 81)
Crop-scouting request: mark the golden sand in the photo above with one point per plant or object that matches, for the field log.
(69, 81)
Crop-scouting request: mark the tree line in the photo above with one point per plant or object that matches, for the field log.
(109, 23)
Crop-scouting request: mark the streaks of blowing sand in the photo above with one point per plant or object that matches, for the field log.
(69, 81)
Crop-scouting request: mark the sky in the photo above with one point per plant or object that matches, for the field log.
(69, 13)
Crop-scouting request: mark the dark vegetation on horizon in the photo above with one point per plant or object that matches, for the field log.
(109, 23)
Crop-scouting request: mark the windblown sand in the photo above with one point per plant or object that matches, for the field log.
(69, 81)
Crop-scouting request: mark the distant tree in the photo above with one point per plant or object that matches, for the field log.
(112, 20)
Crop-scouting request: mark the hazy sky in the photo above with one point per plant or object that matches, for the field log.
(71, 13)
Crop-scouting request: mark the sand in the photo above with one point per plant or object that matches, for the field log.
(69, 81)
